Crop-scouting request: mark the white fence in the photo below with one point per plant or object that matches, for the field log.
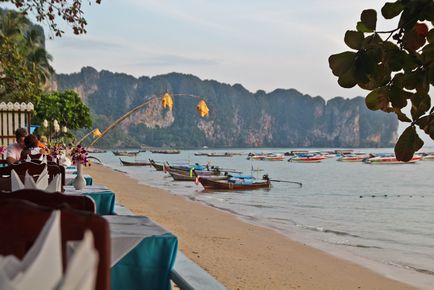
(12, 117)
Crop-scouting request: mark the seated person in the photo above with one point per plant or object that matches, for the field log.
(13, 152)
(30, 147)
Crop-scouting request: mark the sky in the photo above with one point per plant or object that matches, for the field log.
(264, 44)
(260, 44)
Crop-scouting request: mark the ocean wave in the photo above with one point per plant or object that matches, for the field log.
(323, 230)
(409, 267)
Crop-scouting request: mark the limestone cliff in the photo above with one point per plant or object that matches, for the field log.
(238, 118)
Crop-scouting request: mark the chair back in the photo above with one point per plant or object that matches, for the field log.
(22, 221)
(5, 183)
(35, 168)
(52, 200)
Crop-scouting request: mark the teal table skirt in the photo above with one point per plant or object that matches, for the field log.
(104, 201)
(147, 266)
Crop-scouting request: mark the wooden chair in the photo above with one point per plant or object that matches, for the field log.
(33, 169)
(21, 222)
(52, 200)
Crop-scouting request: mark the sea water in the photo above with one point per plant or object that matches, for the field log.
(381, 216)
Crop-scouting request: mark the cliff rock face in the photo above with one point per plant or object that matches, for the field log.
(238, 118)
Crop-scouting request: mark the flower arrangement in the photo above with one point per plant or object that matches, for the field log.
(56, 151)
(79, 155)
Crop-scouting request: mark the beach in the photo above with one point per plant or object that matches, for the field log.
(238, 254)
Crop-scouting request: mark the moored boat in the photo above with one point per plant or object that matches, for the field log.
(169, 151)
(428, 156)
(307, 158)
(125, 153)
(177, 176)
(233, 184)
(390, 160)
(135, 163)
(353, 157)
(267, 157)
(158, 167)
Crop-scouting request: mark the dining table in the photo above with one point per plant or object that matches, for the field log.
(104, 198)
(143, 253)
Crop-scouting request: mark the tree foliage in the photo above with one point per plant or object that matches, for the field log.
(24, 62)
(49, 11)
(65, 107)
(396, 66)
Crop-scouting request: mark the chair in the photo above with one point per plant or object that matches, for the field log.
(21, 222)
(34, 169)
(52, 200)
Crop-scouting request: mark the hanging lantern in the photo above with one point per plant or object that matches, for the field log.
(97, 133)
(64, 129)
(45, 123)
(202, 108)
(167, 101)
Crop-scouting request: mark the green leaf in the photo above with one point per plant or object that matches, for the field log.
(369, 18)
(342, 62)
(408, 143)
(361, 27)
(430, 36)
(401, 116)
(392, 9)
(354, 39)
(421, 103)
(428, 53)
(397, 97)
(348, 80)
(377, 99)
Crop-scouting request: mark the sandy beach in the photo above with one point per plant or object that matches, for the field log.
(238, 254)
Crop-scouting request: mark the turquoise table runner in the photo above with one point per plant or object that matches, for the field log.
(148, 264)
(103, 197)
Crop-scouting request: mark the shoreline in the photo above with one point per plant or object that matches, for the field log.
(239, 254)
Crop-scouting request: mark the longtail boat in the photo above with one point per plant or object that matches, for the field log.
(353, 157)
(183, 177)
(170, 151)
(158, 167)
(390, 160)
(125, 153)
(231, 184)
(307, 158)
(136, 163)
(428, 156)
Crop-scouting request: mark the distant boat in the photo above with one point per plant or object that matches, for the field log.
(233, 184)
(267, 157)
(95, 150)
(428, 156)
(135, 163)
(125, 153)
(169, 151)
(390, 160)
(354, 157)
(307, 158)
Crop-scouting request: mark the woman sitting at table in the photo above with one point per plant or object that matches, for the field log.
(30, 147)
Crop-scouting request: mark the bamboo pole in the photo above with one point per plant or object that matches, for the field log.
(123, 117)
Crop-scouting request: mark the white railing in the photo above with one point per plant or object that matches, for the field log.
(12, 117)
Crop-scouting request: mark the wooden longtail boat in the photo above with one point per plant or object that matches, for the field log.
(125, 153)
(182, 177)
(210, 184)
(171, 151)
(390, 160)
(136, 163)
(158, 167)
(307, 159)
(353, 157)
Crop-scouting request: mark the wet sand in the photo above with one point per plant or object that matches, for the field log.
(236, 253)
